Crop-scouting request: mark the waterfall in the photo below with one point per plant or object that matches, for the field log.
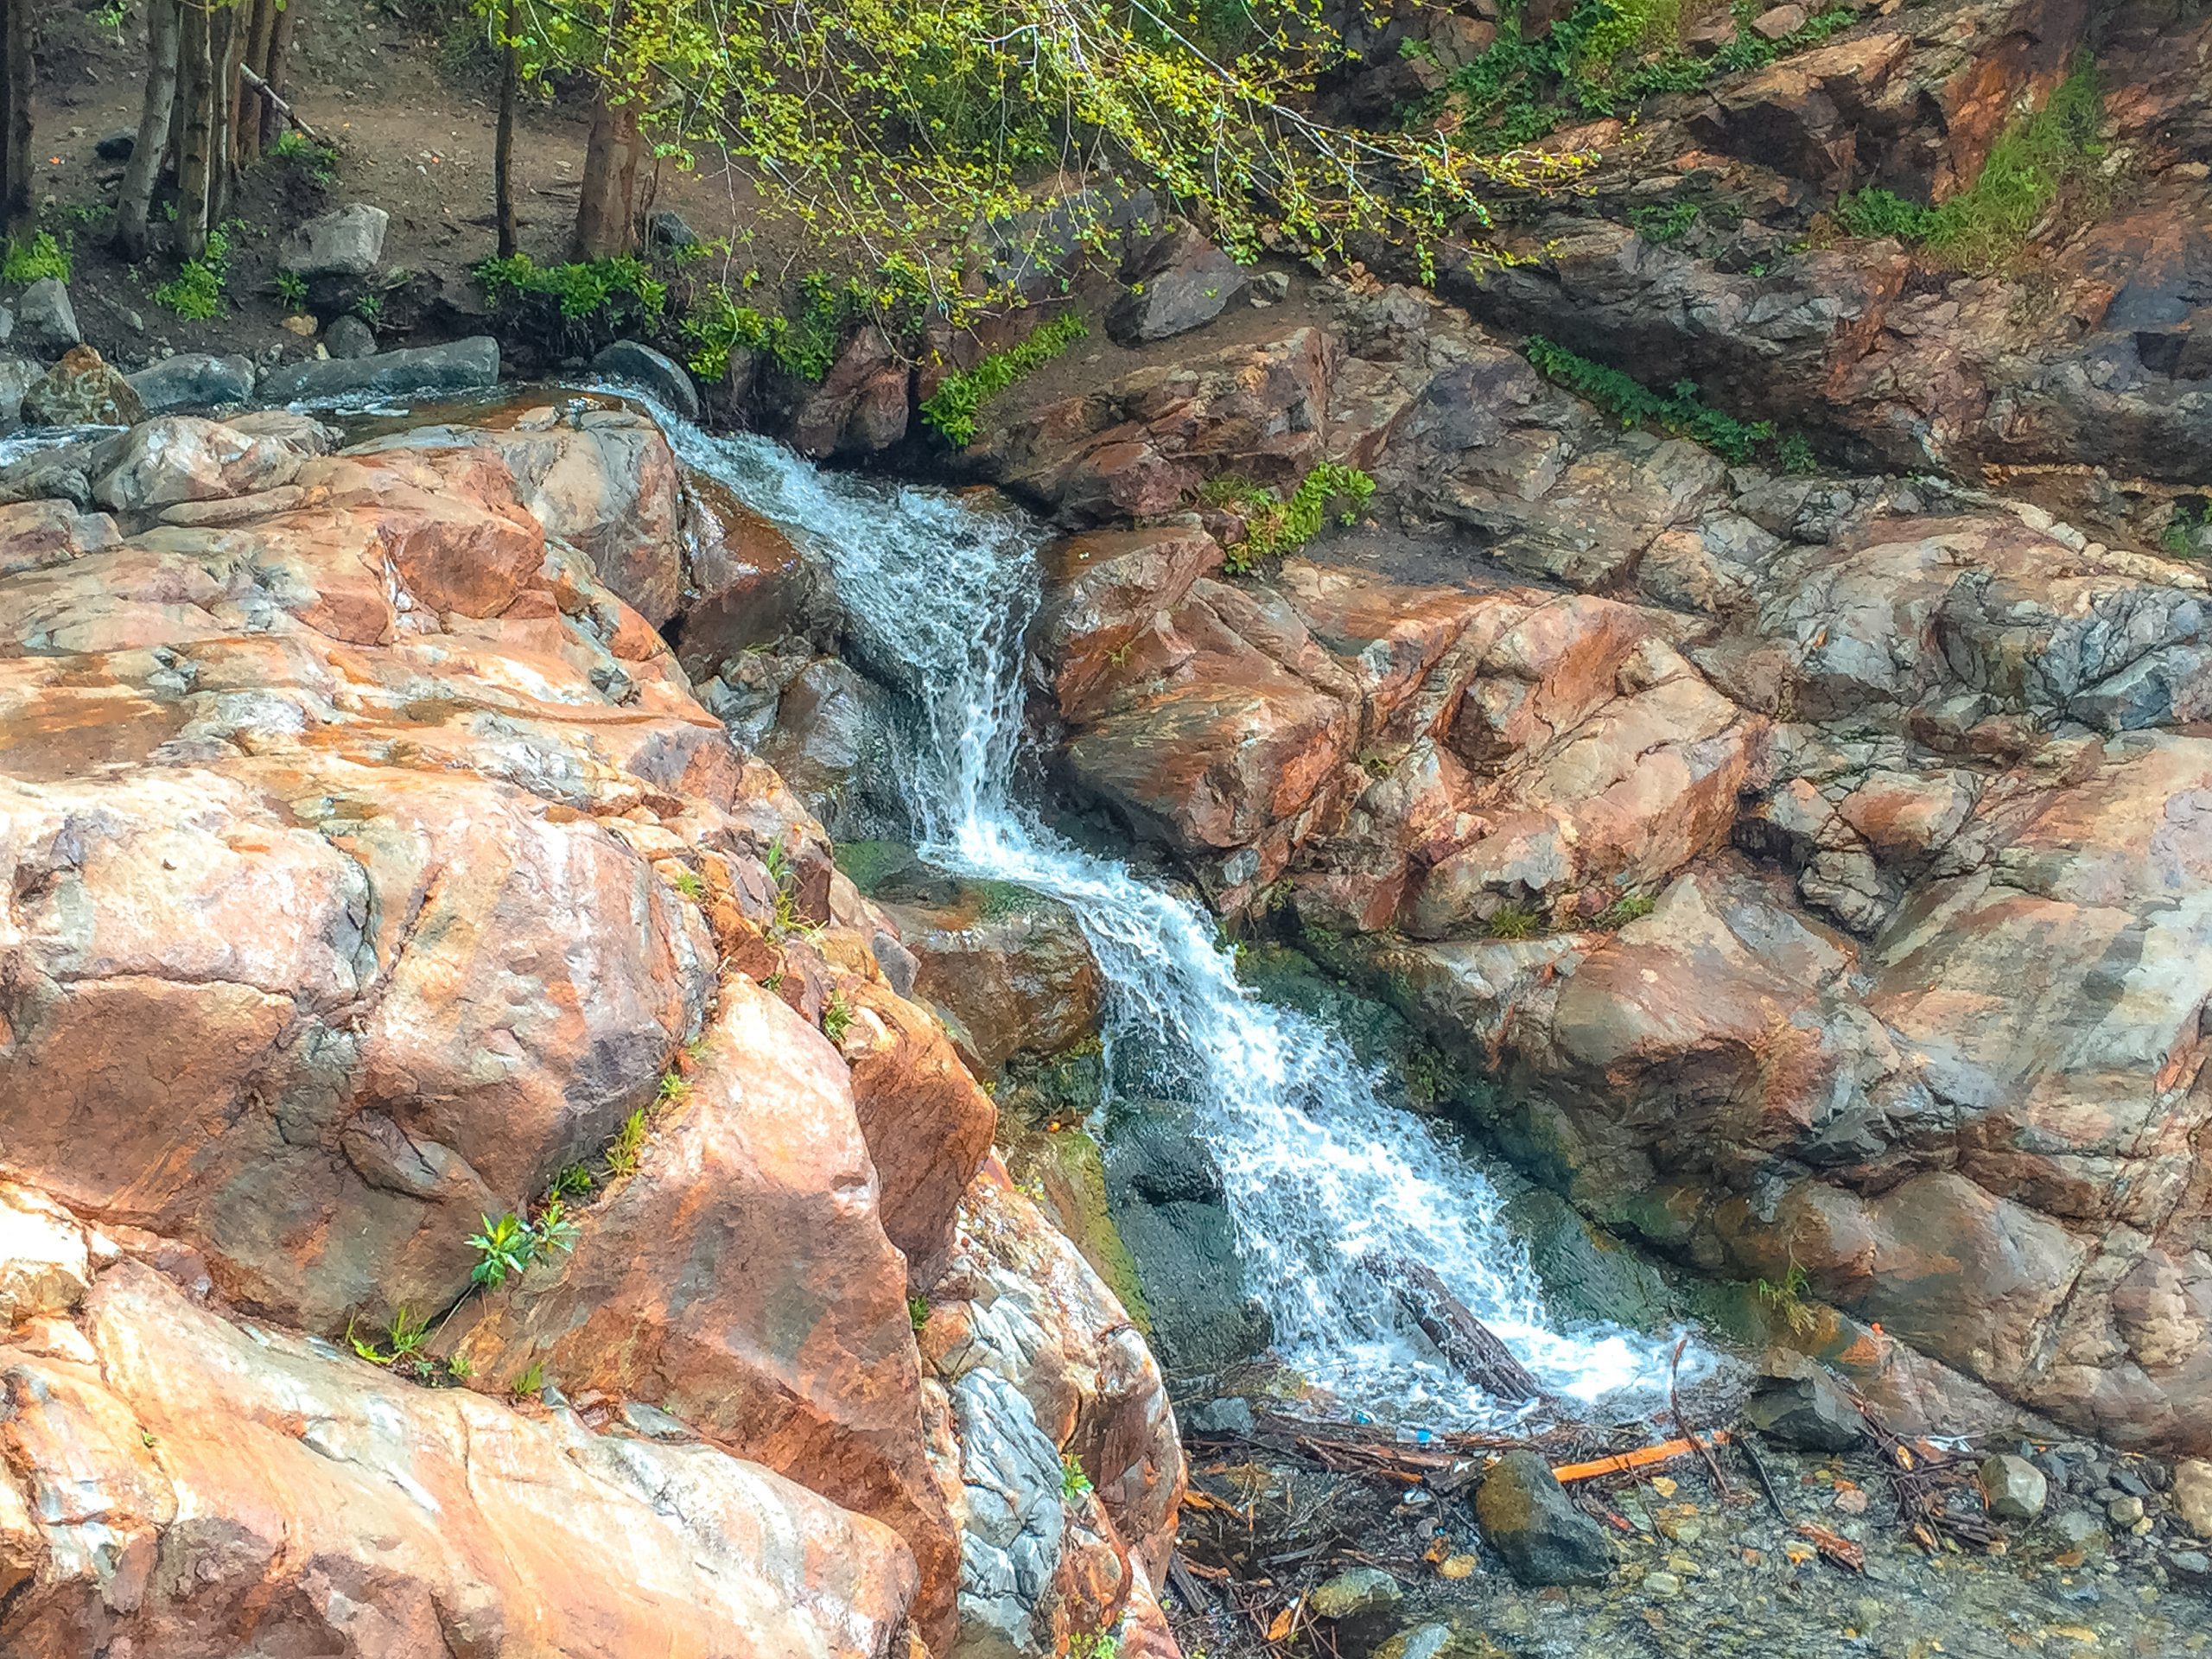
(1319, 1173)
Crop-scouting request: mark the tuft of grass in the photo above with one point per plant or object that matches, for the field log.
(1516, 922)
(2036, 159)
(917, 1311)
(953, 407)
(687, 883)
(41, 258)
(1628, 907)
(196, 291)
(836, 1017)
(1787, 1299)
(528, 1381)
(317, 160)
(622, 1152)
(292, 289)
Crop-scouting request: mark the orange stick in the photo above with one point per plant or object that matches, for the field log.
(1643, 1456)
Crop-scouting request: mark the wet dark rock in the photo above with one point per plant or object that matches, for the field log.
(1450, 1638)
(116, 146)
(662, 376)
(17, 375)
(193, 380)
(1178, 282)
(349, 337)
(1363, 1591)
(461, 365)
(1230, 1417)
(670, 229)
(1165, 1196)
(1526, 1517)
(1799, 1404)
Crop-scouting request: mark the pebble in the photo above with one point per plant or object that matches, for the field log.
(1663, 1584)
(2125, 1512)
(1683, 1528)
(2076, 1526)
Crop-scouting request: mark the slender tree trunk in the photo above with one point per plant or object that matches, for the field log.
(254, 112)
(223, 55)
(276, 69)
(195, 162)
(134, 204)
(15, 116)
(503, 148)
(610, 180)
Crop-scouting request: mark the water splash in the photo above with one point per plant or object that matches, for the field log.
(1319, 1170)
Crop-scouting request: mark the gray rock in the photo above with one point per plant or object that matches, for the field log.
(193, 380)
(462, 365)
(1015, 1525)
(1178, 282)
(2190, 1566)
(117, 146)
(347, 241)
(2015, 1488)
(1166, 1199)
(656, 372)
(1230, 1417)
(1797, 1403)
(82, 390)
(669, 229)
(46, 323)
(349, 337)
(1364, 1590)
(2192, 1495)
(1451, 1637)
(2076, 1527)
(2124, 1511)
(1526, 1517)
(17, 375)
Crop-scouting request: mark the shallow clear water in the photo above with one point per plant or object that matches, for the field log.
(1319, 1171)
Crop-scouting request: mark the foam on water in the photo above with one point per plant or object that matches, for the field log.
(1320, 1171)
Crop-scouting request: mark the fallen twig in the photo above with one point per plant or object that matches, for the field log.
(270, 96)
(1758, 1468)
(1643, 1458)
(1681, 1422)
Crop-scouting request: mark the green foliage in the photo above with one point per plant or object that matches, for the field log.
(41, 257)
(1787, 1299)
(292, 289)
(836, 1017)
(1633, 404)
(529, 1381)
(1099, 1644)
(459, 1369)
(1516, 922)
(953, 407)
(1628, 907)
(673, 1090)
(687, 883)
(1664, 226)
(295, 149)
(1273, 525)
(574, 1181)
(585, 300)
(406, 1341)
(1795, 454)
(1588, 64)
(505, 1246)
(369, 307)
(2031, 164)
(629, 1142)
(2184, 535)
(196, 291)
(1073, 1482)
(804, 342)
(917, 1311)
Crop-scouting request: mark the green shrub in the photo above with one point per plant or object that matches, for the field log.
(1516, 922)
(1628, 907)
(295, 149)
(581, 302)
(804, 344)
(2184, 531)
(292, 289)
(41, 257)
(1631, 402)
(2029, 166)
(196, 291)
(1664, 226)
(1073, 1482)
(953, 407)
(1795, 454)
(836, 1017)
(1274, 525)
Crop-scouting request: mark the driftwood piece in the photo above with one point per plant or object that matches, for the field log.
(1468, 1345)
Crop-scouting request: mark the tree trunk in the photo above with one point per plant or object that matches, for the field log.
(503, 149)
(275, 67)
(195, 170)
(223, 55)
(252, 111)
(133, 204)
(16, 117)
(603, 211)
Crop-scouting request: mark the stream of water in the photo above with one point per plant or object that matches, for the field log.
(1321, 1173)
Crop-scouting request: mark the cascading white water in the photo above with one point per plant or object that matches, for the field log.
(1319, 1173)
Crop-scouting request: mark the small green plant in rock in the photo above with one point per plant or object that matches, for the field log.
(505, 1246)
(30, 261)
(836, 1017)
(1787, 1299)
(1795, 454)
(405, 1340)
(2184, 534)
(917, 1311)
(688, 884)
(292, 289)
(1628, 907)
(622, 1152)
(459, 1369)
(526, 1383)
(1875, 211)
(1274, 527)
(952, 409)
(1680, 410)
(1516, 922)
(196, 291)
(369, 308)
(1665, 226)
(1074, 1483)
(1099, 1644)
(574, 1181)
(673, 1091)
